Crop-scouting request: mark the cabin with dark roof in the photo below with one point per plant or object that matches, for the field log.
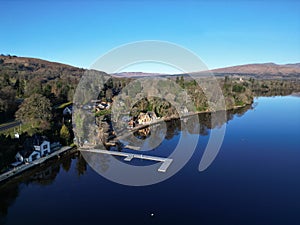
(34, 148)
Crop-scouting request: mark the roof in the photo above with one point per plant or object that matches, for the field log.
(28, 146)
(14, 164)
(38, 140)
(26, 152)
(68, 110)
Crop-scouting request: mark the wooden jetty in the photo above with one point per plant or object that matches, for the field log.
(166, 162)
(133, 147)
(23, 167)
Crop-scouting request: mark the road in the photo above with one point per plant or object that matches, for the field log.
(9, 125)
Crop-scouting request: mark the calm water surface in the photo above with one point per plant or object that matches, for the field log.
(255, 179)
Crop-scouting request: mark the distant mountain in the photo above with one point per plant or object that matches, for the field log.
(137, 74)
(262, 70)
(19, 66)
(295, 65)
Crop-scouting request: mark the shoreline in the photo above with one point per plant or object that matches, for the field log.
(4, 177)
(165, 119)
(129, 131)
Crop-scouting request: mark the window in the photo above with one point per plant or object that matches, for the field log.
(34, 157)
(45, 146)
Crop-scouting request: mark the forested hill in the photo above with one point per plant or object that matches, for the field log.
(29, 75)
(21, 67)
(22, 77)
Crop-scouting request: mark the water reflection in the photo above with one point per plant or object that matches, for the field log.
(246, 172)
(143, 133)
(81, 165)
(10, 191)
(66, 164)
(42, 176)
(47, 174)
(190, 127)
(8, 195)
(198, 124)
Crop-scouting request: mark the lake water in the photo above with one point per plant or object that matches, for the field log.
(255, 179)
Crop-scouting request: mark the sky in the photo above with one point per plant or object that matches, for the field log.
(221, 33)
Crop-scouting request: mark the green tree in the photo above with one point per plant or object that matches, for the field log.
(238, 88)
(6, 80)
(7, 99)
(65, 134)
(35, 110)
(34, 87)
(19, 87)
(109, 95)
(47, 90)
(226, 79)
(181, 82)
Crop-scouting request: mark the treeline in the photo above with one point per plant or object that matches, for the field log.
(274, 87)
(22, 77)
(237, 92)
(174, 96)
(31, 90)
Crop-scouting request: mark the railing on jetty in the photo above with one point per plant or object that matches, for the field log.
(166, 162)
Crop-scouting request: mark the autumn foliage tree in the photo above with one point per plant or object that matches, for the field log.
(35, 110)
(65, 135)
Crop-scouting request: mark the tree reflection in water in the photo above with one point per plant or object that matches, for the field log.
(196, 124)
(143, 133)
(81, 165)
(44, 175)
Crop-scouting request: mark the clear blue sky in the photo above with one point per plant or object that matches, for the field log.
(220, 33)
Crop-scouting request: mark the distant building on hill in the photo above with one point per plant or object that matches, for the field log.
(145, 118)
(68, 110)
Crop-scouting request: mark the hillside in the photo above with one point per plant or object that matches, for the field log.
(137, 74)
(262, 71)
(22, 77)
(265, 70)
(32, 89)
(16, 67)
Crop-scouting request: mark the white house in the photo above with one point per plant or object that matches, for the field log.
(103, 105)
(17, 135)
(27, 156)
(68, 110)
(43, 148)
(38, 148)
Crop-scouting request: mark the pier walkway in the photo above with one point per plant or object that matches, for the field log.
(166, 162)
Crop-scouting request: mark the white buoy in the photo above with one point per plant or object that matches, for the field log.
(152, 214)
